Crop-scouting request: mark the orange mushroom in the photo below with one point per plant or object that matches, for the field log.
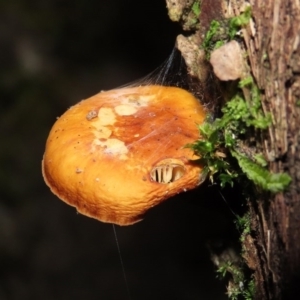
(117, 154)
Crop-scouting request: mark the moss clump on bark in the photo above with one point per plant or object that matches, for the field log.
(221, 147)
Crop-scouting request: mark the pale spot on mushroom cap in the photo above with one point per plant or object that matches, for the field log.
(137, 100)
(125, 110)
(102, 132)
(112, 146)
(106, 116)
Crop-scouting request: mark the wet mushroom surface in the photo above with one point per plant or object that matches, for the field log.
(117, 154)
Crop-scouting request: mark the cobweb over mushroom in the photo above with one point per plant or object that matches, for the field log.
(173, 72)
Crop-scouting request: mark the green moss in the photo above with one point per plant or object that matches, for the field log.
(239, 287)
(196, 8)
(221, 145)
(236, 23)
(243, 225)
(213, 37)
(273, 182)
(213, 29)
(259, 159)
(220, 32)
(191, 15)
(241, 284)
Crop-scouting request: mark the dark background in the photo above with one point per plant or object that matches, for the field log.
(53, 54)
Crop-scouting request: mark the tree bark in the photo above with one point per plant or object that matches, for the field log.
(274, 59)
(271, 40)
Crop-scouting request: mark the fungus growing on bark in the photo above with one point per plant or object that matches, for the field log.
(117, 154)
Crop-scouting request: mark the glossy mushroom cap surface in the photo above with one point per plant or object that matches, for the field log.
(117, 154)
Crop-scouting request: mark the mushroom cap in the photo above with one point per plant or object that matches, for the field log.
(117, 154)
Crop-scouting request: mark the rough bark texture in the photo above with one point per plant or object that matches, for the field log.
(271, 41)
(274, 59)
